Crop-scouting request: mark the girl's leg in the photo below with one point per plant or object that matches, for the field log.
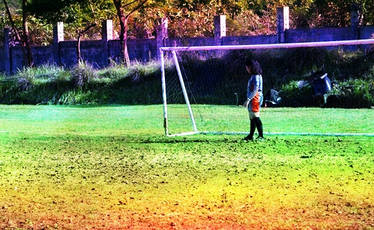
(252, 128)
(258, 120)
(258, 123)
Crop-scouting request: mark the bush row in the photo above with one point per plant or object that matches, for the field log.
(220, 80)
(82, 84)
(353, 93)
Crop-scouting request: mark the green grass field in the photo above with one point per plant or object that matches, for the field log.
(111, 167)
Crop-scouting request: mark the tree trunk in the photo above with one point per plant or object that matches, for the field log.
(124, 46)
(123, 33)
(30, 61)
(123, 20)
(79, 57)
(80, 33)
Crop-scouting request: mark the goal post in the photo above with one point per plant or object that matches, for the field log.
(172, 52)
(176, 63)
(164, 95)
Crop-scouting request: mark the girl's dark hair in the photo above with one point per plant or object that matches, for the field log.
(254, 65)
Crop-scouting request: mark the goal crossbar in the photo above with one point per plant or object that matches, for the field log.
(272, 46)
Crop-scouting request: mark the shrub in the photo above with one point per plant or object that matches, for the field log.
(354, 93)
(6, 84)
(139, 71)
(29, 77)
(115, 71)
(82, 74)
(25, 78)
(294, 96)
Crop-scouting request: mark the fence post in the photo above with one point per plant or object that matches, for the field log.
(219, 29)
(7, 57)
(283, 23)
(58, 36)
(355, 21)
(161, 35)
(107, 35)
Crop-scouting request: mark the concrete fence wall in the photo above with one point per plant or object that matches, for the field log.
(319, 34)
(99, 52)
(2, 60)
(367, 32)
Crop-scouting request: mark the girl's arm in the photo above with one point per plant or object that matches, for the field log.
(252, 92)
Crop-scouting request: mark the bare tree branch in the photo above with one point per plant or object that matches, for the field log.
(87, 29)
(129, 4)
(18, 36)
(137, 7)
(24, 39)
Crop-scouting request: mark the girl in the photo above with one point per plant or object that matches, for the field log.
(254, 97)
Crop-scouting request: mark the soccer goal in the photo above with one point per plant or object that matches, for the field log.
(204, 87)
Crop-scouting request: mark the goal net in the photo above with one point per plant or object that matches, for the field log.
(204, 87)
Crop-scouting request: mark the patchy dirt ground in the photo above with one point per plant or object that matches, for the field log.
(213, 182)
(112, 168)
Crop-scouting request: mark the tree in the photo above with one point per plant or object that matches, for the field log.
(81, 15)
(23, 37)
(26, 36)
(80, 33)
(78, 14)
(124, 10)
(322, 13)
